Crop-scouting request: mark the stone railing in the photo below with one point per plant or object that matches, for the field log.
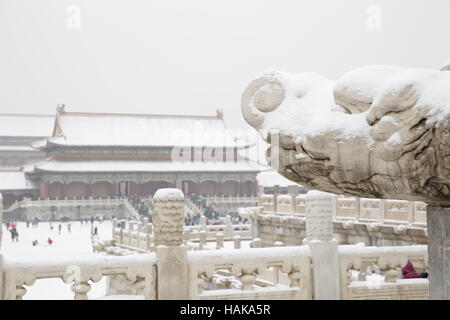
(226, 204)
(139, 270)
(193, 233)
(317, 269)
(51, 209)
(375, 272)
(207, 280)
(362, 209)
(376, 222)
(139, 236)
(223, 204)
(66, 201)
(231, 199)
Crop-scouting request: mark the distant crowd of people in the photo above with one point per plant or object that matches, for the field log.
(209, 211)
(11, 227)
(140, 203)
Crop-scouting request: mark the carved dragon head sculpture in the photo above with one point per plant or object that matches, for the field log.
(378, 131)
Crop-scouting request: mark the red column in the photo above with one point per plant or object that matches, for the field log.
(88, 190)
(43, 189)
(63, 190)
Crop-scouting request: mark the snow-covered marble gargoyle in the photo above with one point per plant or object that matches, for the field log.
(378, 131)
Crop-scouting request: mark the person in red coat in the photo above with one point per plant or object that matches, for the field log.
(409, 272)
(50, 241)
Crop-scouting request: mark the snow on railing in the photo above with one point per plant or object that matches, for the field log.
(375, 272)
(361, 209)
(138, 235)
(139, 270)
(105, 202)
(247, 265)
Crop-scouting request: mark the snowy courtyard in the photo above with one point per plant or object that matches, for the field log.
(76, 243)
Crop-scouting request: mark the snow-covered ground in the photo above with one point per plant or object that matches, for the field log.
(67, 244)
(76, 243)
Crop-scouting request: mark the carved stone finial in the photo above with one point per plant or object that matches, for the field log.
(168, 214)
(376, 132)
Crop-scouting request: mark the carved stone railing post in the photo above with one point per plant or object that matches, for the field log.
(15, 283)
(295, 277)
(324, 248)
(237, 242)
(203, 222)
(276, 191)
(172, 269)
(115, 224)
(248, 278)
(293, 192)
(358, 207)
(382, 210)
(203, 235)
(228, 227)
(438, 222)
(334, 206)
(411, 212)
(260, 194)
(219, 240)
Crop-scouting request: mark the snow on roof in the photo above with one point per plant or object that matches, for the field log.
(257, 150)
(17, 148)
(105, 129)
(271, 178)
(144, 166)
(26, 125)
(14, 180)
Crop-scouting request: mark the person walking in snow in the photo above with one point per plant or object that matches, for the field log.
(69, 227)
(14, 234)
(95, 231)
(49, 241)
(59, 228)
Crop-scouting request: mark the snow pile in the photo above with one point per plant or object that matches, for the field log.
(168, 193)
(308, 108)
(314, 106)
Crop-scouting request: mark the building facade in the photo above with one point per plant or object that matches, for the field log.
(17, 133)
(103, 154)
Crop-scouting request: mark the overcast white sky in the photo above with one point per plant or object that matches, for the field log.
(196, 56)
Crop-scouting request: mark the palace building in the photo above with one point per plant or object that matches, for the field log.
(105, 154)
(17, 132)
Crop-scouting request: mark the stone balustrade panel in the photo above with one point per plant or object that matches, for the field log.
(138, 270)
(246, 265)
(375, 272)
